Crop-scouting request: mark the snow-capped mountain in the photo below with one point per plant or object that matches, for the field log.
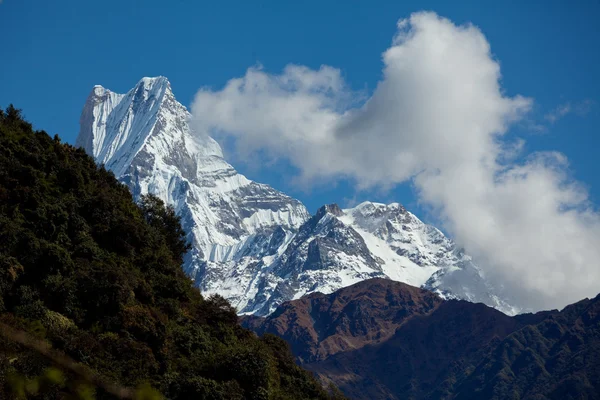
(144, 138)
(454, 276)
(337, 248)
(252, 244)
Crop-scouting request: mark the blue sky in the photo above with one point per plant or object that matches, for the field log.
(54, 52)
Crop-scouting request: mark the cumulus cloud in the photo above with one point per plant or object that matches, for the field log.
(437, 118)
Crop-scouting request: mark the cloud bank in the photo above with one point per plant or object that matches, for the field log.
(437, 118)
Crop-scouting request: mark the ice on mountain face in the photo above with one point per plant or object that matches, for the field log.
(144, 137)
(254, 245)
(439, 264)
(337, 248)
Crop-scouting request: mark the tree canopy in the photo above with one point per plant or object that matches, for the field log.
(98, 277)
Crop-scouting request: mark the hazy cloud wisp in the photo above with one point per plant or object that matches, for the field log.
(580, 108)
(437, 118)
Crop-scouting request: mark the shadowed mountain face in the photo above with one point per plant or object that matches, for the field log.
(558, 358)
(318, 326)
(405, 343)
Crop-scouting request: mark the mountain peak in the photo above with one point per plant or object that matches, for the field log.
(97, 93)
(150, 80)
(144, 137)
(370, 206)
(157, 83)
(115, 127)
(333, 209)
(98, 90)
(155, 88)
(376, 307)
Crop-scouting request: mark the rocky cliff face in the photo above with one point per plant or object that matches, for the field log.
(251, 243)
(336, 248)
(380, 339)
(144, 138)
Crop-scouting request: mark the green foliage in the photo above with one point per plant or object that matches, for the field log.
(22, 387)
(147, 392)
(99, 277)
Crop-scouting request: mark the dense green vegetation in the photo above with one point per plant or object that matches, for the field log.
(99, 278)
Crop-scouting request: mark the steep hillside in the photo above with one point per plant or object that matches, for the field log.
(99, 278)
(384, 340)
(318, 326)
(558, 358)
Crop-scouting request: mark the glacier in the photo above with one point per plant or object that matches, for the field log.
(252, 244)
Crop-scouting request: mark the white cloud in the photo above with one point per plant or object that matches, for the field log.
(437, 118)
(580, 108)
(558, 112)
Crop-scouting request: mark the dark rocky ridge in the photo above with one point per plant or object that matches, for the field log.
(380, 339)
(318, 326)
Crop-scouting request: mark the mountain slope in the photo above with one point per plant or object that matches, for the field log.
(421, 255)
(250, 243)
(318, 326)
(439, 349)
(336, 248)
(144, 138)
(98, 277)
(558, 358)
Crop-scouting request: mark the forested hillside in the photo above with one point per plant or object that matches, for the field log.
(96, 276)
